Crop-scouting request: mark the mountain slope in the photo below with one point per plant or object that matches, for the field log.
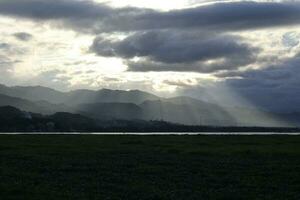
(131, 105)
(108, 96)
(186, 113)
(38, 93)
(127, 111)
(10, 112)
(16, 120)
(23, 104)
(191, 111)
(34, 93)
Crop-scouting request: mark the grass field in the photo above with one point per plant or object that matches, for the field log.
(149, 167)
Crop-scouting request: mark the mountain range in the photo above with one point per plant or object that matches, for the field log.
(108, 104)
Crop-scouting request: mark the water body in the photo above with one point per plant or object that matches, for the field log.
(154, 133)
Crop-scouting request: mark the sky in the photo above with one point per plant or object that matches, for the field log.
(241, 53)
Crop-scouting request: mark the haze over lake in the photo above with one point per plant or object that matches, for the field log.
(157, 133)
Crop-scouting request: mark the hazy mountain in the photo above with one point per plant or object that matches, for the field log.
(191, 111)
(35, 93)
(43, 107)
(38, 93)
(107, 96)
(128, 111)
(256, 117)
(190, 114)
(21, 104)
(137, 105)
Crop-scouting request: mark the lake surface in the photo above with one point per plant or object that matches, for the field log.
(154, 133)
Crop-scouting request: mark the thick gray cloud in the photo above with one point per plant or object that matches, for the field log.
(81, 15)
(230, 16)
(178, 51)
(172, 47)
(274, 88)
(22, 36)
(54, 9)
(96, 17)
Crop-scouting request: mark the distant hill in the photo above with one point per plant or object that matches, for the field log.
(108, 96)
(38, 93)
(190, 114)
(128, 111)
(9, 112)
(138, 105)
(39, 107)
(16, 120)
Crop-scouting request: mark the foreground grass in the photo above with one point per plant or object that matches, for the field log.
(149, 167)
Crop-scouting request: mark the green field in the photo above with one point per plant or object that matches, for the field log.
(149, 167)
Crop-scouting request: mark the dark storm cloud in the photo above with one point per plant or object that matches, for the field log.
(96, 17)
(54, 9)
(284, 75)
(273, 88)
(22, 36)
(178, 51)
(171, 47)
(232, 16)
(80, 15)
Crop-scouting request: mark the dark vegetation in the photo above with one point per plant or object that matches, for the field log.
(149, 167)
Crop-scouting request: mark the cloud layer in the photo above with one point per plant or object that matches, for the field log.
(178, 51)
(230, 16)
